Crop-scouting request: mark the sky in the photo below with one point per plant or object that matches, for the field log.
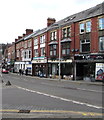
(18, 15)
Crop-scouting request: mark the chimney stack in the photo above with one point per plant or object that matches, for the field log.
(19, 37)
(29, 31)
(24, 35)
(50, 21)
(16, 40)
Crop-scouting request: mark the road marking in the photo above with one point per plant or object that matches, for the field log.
(60, 98)
(73, 88)
(55, 111)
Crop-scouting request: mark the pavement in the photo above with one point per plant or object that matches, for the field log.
(99, 83)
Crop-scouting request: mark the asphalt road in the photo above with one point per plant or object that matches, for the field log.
(35, 98)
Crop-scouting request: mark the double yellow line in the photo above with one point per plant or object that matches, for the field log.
(55, 111)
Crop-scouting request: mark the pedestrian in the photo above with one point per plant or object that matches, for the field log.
(20, 71)
(26, 72)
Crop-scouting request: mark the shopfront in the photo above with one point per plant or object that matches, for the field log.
(89, 67)
(39, 66)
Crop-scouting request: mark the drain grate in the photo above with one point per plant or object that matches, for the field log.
(24, 111)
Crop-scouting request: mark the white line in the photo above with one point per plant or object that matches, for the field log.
(76, 88)
(64, 99)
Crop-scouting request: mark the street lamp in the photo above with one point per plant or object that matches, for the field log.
(59, 53)
(59, 37)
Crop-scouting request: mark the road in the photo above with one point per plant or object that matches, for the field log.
(32, 97)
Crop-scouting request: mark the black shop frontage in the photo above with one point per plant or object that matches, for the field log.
(89, 67)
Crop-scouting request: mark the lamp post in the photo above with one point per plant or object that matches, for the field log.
(59, 54)
(59, 38)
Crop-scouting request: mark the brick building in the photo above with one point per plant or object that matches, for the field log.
(73, 46)
(23, 50)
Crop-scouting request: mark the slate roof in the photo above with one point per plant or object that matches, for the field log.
(89, 13)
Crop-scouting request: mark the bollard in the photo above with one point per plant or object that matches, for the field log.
(8, 83)
(2, 81)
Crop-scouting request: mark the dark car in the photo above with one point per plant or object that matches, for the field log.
(5, 71)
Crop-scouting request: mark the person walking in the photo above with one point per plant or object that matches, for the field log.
(20, 71)
(26, 72)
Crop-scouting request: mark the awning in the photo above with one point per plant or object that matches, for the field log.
(66, 40)
(53, 43)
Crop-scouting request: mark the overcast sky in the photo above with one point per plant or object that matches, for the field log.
(18, 15)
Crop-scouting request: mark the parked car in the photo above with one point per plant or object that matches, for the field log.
(5, 71)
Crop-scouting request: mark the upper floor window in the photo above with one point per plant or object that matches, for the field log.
(42, 51)
(25, 44)
(35, 41)
(53, 35)
(17, 53)
(101, 43)
(29, 43)
(101, 23)
(85, 27)
(85, 45)
(88, 26)
(29, 53)
(36, 52)
(53, 50)
(66, 32)
(65, 48)
(42, 39)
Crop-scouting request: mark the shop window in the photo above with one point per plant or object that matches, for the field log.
(85, 45)
(65, 49)
(66, 32)
(101, 43)
(53, 35)
(53, 50)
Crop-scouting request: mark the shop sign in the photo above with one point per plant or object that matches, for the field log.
(39, 60)
(99, 71)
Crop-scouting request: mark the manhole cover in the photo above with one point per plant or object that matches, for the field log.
(24, 111)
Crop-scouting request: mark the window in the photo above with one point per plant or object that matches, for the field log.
(42, 51)
(42, 39)
(17, 53)
(53, 35)
(101, 43)
(29, 43)
(101, 23)
(88, 26)
(53, 50)
(82, 28)
(25, 54)
(85, 27)
(35, 41)
(65, 48)
(66, 32)
(25, 44)
(29, 53)
(36, 53)
(85, 45)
